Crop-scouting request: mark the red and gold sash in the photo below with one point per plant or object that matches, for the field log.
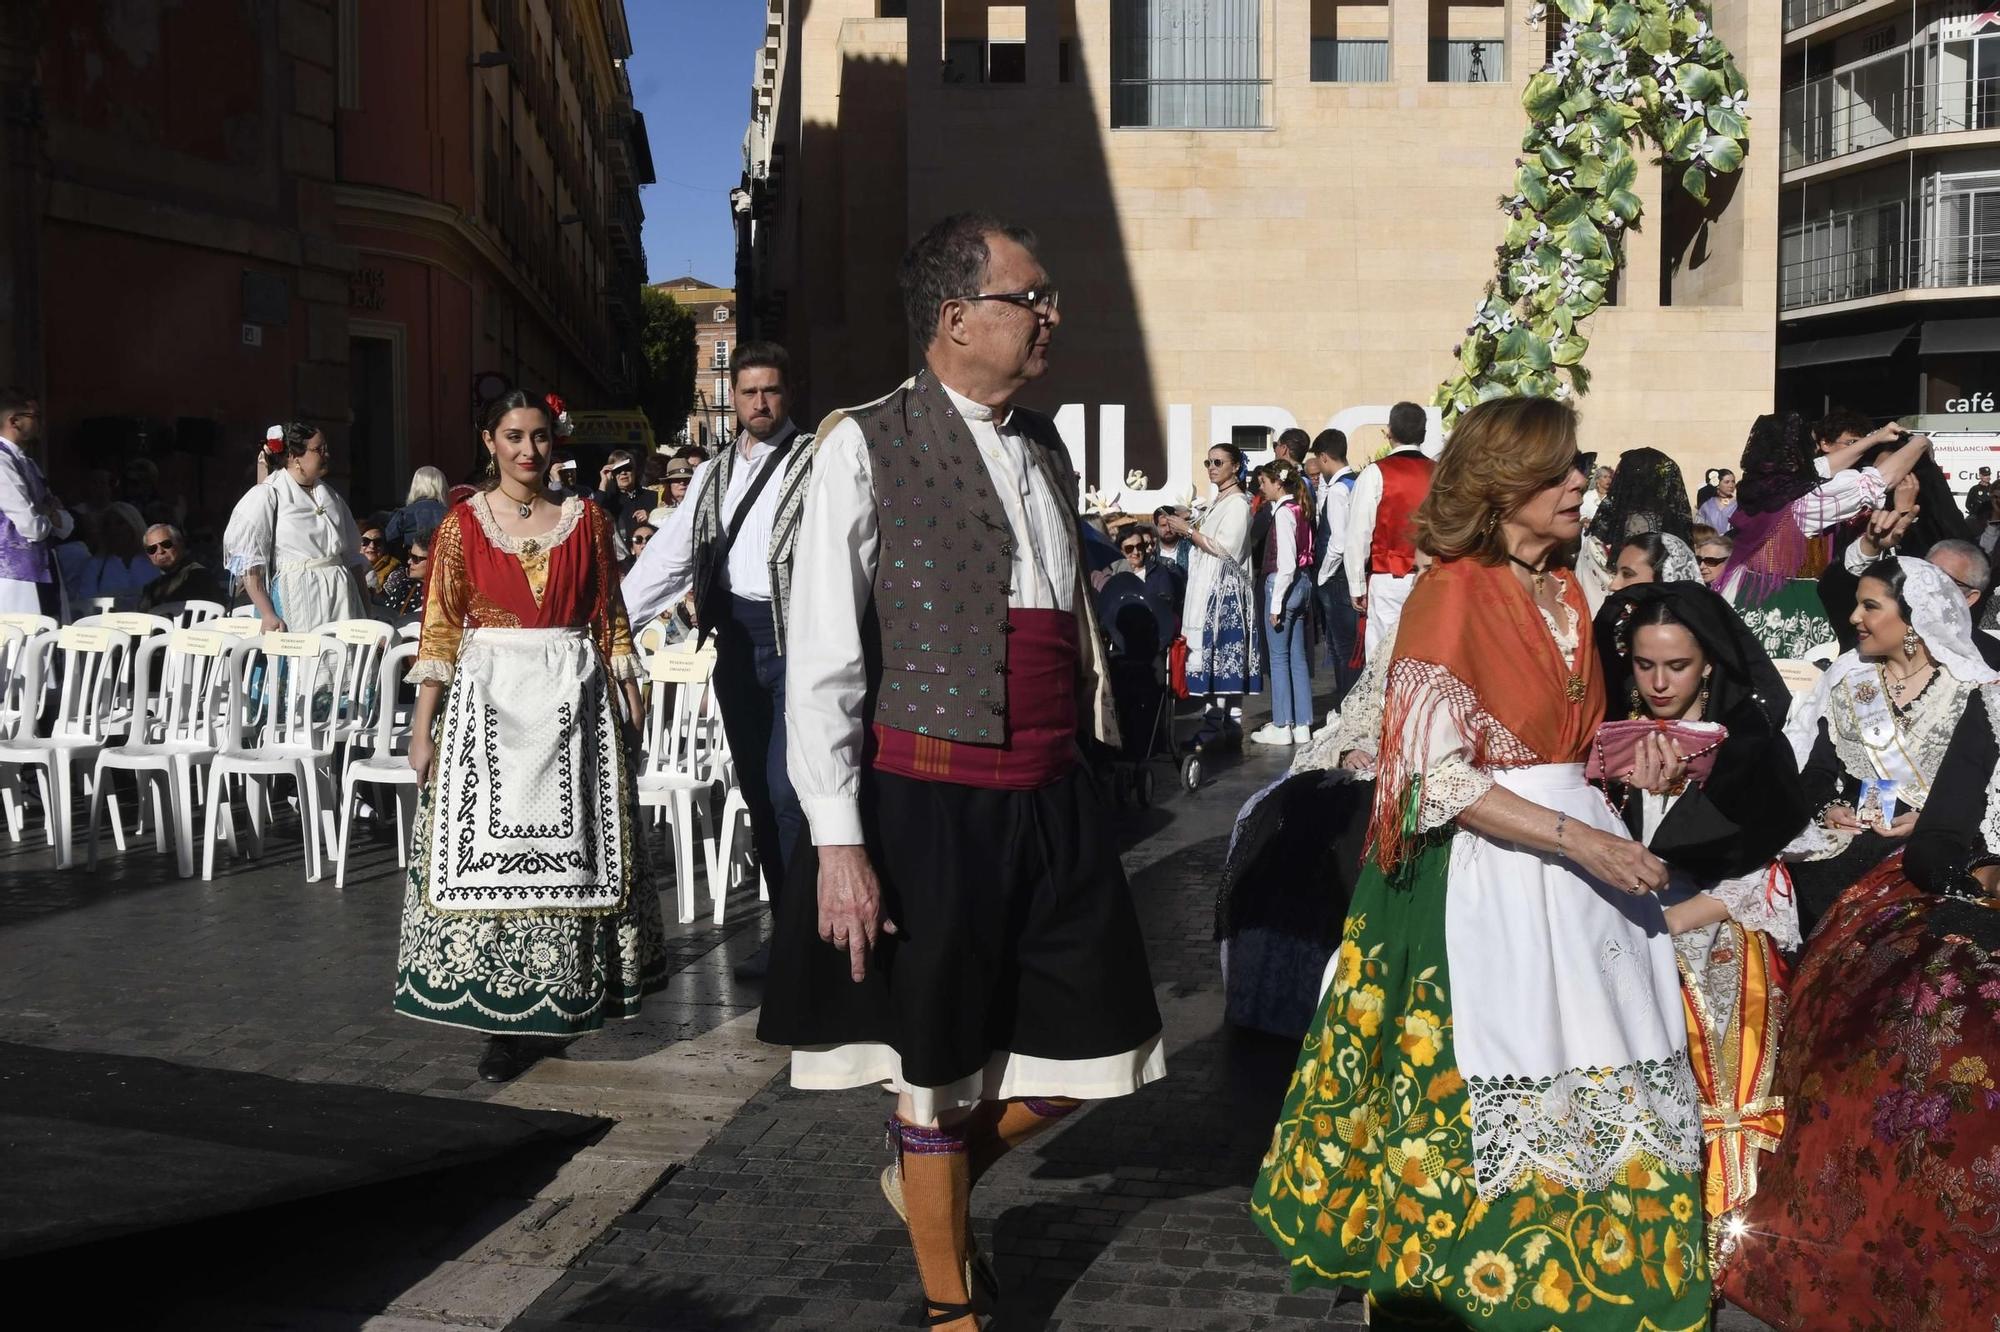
(1733, 1043)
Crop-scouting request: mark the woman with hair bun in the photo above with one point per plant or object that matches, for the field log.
(1221, 606)
(1493, 1122)
(292, 542)
(528, 911)
(1288, 562)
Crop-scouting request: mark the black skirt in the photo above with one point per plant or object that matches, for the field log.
(1016, 934)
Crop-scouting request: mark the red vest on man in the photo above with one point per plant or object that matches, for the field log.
(1406, 479)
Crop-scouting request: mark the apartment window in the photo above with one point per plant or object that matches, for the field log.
(1468, 41)
(1187, 64)
(1350, 41)
(986, 44)
(722, 353)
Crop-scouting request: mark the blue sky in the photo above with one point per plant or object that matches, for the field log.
(690, 70)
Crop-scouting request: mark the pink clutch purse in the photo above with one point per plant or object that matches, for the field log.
(1611, 752)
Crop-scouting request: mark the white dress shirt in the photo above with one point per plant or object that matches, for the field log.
(664, 571)
(1842, 496)
(1361, 506)
(1333, 502)
(833, 579)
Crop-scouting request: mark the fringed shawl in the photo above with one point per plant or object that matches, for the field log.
(1473, 653)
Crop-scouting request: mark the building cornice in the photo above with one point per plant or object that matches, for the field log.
(1907, 296)
(370, 206)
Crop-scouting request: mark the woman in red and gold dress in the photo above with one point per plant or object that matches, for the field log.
(528, 911)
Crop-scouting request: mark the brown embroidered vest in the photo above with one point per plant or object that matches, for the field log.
(945, 561)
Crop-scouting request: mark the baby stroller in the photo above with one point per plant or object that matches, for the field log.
(1140, 625)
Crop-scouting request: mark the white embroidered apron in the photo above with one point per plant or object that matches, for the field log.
(529, 806)
(1566, 1006)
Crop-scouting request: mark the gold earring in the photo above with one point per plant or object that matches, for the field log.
(492, 465)
(1910, 641)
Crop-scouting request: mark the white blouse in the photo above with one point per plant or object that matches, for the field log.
(280, 526)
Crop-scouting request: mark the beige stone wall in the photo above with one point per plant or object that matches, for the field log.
(1325, 263)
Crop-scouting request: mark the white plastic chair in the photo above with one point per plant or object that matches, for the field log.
(14, 713)
(30, 623)
(362, 643)
(196, 612)
(674, 773)
(387, 766)
(284, 737)
(91, 659)
(194, 699)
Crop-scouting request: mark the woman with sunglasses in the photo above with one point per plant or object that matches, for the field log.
(292, 542)
(1493, 1116)
(1221, 623)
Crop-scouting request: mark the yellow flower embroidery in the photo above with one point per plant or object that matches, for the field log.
(1308, 1179)
(1683, 1208)
(1491, 1276)
(1348, 971)
(1552, 1290)
(1417, 1165)
(1613, 1247)
(1970, 1069)
(1364, 1009)
(1440, 1225)
(1423, 1037)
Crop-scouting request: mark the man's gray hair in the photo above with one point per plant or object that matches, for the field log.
(1975, 560)
(948, 262)
(180, 537)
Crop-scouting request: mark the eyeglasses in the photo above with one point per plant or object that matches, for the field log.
(371, 541)
(1215, 462)
(1711, 561)
(1965, 586)
(159, 546)
(1038, 301)
(1135, 546)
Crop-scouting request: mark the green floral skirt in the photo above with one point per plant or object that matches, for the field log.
(527, 973)
(1369, 1179)
(1792, 623)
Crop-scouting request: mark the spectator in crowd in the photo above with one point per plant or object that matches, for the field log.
(1338, 622)
(116, 566)
(1291, 446)
(142, 492)
(1171, 548)
(1718, 508)
(293, 542)
(618, 483)
(1710, 554)
(674, 486)
(1600, 487)
(423, 509)
(32, 519)
(1976, 499)
(403, 591)
(1287, 586)
(1220, 622)
(641, 534)
(378, 558)
(1707, 491)
(182, 578)
(1379, 555)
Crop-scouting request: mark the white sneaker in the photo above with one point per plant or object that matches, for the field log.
(1271, 733)
(1302, 735)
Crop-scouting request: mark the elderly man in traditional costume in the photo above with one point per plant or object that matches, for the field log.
(960, 930)
(1381, 555)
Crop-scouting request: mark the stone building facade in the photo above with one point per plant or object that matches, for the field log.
(1287, 219)
(712, 416)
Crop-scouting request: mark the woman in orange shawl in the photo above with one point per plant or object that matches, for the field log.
(1493, 1121)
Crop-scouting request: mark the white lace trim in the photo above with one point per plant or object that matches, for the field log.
(1564, 632)
(1924, 732)
(429, 670)
(626, 666)
(1755, 903)
(1450, 788)
(482, 509)
(1585, 1125)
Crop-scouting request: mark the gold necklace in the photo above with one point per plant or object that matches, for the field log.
(521, 507)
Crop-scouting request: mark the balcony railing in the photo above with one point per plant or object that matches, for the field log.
(1891, 264)
(1798, 13)
(1858, 110)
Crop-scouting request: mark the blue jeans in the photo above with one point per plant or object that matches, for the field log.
(1340, 625)
(750, 685)
(1289, 669)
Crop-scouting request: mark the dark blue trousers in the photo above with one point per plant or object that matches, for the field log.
(750, 685)
(1339, 623)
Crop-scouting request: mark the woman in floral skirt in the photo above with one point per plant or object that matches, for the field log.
(528, 910)
(1221, 604)
(1493, 1122)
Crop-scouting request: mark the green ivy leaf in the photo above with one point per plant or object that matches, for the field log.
(1725, 121)
(1555, 159)
(1565, 319)
(1697, 81)
(1624, 203)
(1570, 350)
(1621, 172)
(1654, 34)
(1542, 95)
(1532, 184)
(1621, 21)
(1585, 239)
(1472, 355)
(1580, 10)
(1590, 173)
(1695, 181)
(1679, 137)
(1722, 153)
(1566, 210)
(1535, 353)
(1512, 343)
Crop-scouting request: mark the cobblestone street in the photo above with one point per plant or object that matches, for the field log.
(767, 1216)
